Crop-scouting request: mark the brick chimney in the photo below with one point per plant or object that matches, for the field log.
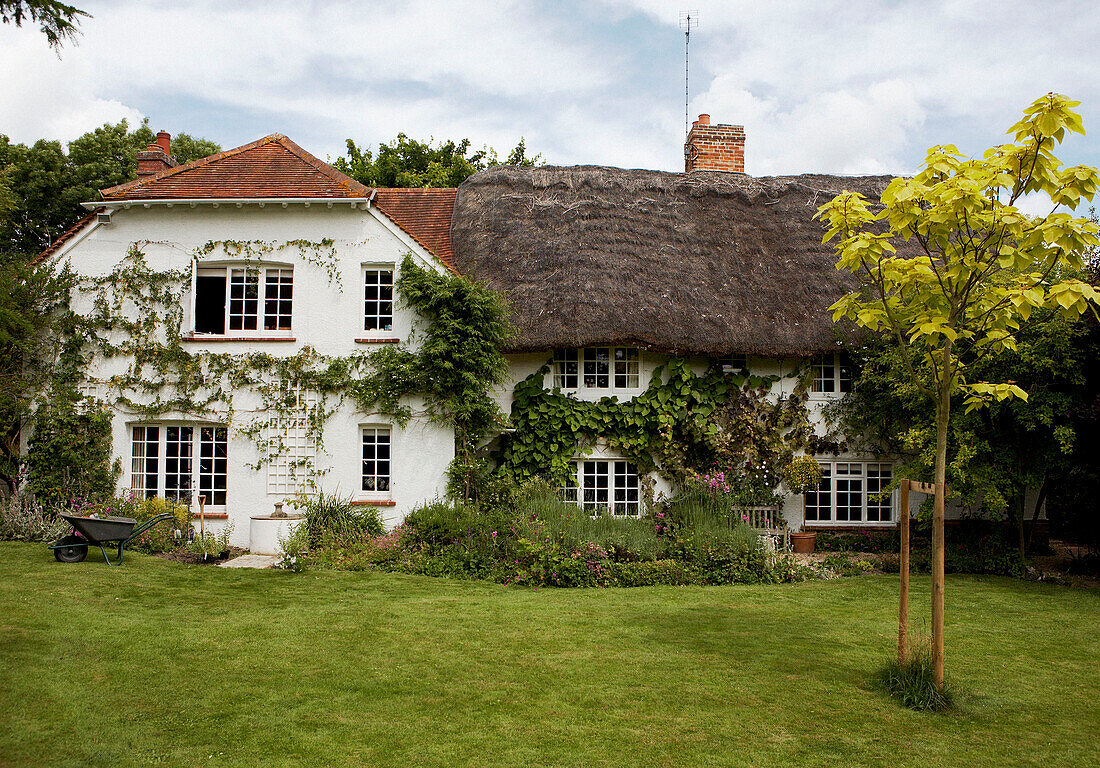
(714, 147)
(156, 157)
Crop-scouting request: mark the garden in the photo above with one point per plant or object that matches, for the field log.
(164, 664)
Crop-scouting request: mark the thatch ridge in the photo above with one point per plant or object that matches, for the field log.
(705, 263)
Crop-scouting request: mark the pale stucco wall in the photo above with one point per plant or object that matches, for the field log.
(326, 317)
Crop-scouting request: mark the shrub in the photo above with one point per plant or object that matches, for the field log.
(912, 683)
(163, 537)
(336, 516)
(22, 518)
(653, 573)
(69, 456)
(802, 474)
(294, 547)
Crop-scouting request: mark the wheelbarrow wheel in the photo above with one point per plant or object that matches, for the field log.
(73, 549)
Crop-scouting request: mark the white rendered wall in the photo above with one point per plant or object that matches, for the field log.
(326, 317)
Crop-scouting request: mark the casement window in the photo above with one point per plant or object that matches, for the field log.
(832, 374)
(290, 447)
(378, 299)
(597, 368)
(731, 364)
(180, 462)
(849, 492)
(604, 487)
(376, 459)
(242, 300)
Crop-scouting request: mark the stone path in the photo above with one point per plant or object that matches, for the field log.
(250, 561)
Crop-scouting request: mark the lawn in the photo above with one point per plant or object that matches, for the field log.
(157, 663)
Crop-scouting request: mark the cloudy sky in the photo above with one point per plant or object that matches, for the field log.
(850, 87)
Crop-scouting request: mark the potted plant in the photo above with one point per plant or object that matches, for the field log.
(802, 474)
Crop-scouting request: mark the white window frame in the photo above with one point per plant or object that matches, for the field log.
(375, 494)
(832, 376)
(570, 367)
(731, 365)
(620, 494)
(380, 333)
(871, 477)
(198, 484)
(261, 271)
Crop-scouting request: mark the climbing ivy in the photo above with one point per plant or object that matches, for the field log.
(135, 314)
(681, 426)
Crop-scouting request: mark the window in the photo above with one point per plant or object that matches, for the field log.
(849, 493)
(243, 300)
(565, 369)
(597, 368)
(832, 374)
(376, 459)
(626, 368)
(163, 462)
(731, 364)
(290, 448)
(604, 487)
(378, 300)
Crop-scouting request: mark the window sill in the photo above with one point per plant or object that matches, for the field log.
(813, 526)
(377, 340)
(211, 515)
(215, 337)
(374, 503)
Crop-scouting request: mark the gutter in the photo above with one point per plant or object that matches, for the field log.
(239, 202)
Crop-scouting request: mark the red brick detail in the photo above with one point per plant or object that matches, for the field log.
(386, 340)
(194, 337)
(425, 214)
(714, 147)
(375, 503)
(211, 515)
(271, 167)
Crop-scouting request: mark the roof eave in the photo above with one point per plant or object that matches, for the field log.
(192, 202)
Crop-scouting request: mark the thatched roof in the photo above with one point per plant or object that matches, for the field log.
(704, 263)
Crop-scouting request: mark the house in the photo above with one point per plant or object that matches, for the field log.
(608, 273)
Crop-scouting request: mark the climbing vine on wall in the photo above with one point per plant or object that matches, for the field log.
(681, 426)
(134, 315)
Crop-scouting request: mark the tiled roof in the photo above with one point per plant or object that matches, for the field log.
(274, 166)
(423, 213)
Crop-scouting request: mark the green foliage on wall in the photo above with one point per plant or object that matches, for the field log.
(69, 455)
(683, 425)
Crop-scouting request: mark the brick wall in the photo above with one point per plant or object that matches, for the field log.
(714, 147)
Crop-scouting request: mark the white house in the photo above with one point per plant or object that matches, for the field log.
(608, 272)
(282, 253)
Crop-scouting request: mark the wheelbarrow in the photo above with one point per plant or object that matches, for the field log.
(101, 531)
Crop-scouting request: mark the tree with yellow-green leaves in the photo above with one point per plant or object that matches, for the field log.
(949, 267)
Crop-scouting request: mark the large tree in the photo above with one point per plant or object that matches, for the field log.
(49, 183)
(972, 268)
(406, 162)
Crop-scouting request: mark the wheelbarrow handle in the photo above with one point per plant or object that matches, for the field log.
(149, 524)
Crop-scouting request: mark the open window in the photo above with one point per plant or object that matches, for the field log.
(242, 300)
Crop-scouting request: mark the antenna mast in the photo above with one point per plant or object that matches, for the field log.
(688, 19)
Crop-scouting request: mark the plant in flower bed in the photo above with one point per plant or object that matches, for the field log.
(22, 518)
(165, 537)
(537, 539)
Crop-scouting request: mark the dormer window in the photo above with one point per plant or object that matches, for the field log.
(832, 374)
(597, 368)
(731, 364)
(243, 300)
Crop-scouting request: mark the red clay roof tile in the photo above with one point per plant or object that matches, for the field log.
(425, 214)
(274, 166)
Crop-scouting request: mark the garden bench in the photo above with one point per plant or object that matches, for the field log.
(769, 525)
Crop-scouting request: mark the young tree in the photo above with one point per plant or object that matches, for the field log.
(971, 268)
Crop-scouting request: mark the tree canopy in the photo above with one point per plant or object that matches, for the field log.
(406, 162)
(48, 183)
(59, 22)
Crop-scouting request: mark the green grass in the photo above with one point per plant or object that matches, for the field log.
(156, 663)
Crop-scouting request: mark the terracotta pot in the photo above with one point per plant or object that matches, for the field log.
(803, 543)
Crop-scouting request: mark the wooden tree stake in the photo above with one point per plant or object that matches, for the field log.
(937, 586)
(903, 568)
